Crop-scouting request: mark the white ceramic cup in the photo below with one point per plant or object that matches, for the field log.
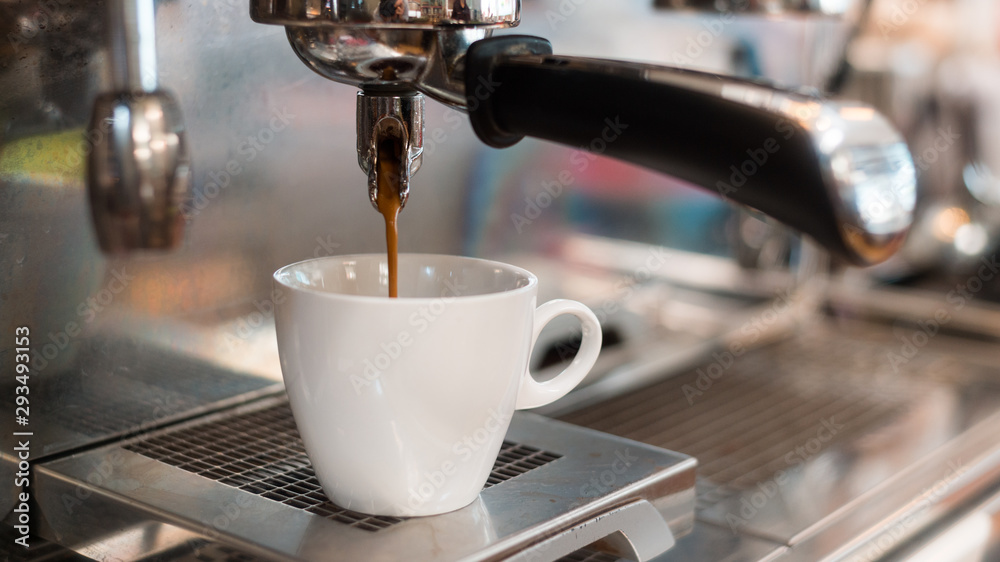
(403, 403)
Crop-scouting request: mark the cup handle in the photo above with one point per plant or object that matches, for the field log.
(532, 393)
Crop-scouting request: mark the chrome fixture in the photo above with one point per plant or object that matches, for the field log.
(390, 50)
(767, 7)
(138, 174)
(400, 117)
(368, 46)
(836, 171)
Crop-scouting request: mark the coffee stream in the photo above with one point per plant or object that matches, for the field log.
(389, 203)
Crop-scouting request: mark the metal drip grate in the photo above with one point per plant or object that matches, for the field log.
(118, 385)
(515, 460)
(769, 404)
(261, 452)
(142, 406)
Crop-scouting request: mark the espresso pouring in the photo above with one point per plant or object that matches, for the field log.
(389, 203)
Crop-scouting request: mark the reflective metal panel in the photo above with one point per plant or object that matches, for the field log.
(710, 543)
(833, 8)
(146, 387)
(387, 13)
(835, 442)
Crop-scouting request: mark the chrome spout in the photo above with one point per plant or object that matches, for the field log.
(398, 116)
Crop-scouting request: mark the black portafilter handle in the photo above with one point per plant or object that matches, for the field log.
(836, 171)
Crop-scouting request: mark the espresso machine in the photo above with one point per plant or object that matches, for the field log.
(740, 415)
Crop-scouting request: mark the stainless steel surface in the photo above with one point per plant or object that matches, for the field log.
(975, 316)
(708, 542)
(149, 386)
(634, 531)
(163, 543)
(393, 116)
(132, 33)
(429, 61)
(11, 487)
(925, 494)
(427, 14)
(138, 172)
(822, 443)
(594, 476)
(589, 555)
(973, 537)
(768, 7)
(395, 43)
(92, 402)
(39, 550)
(672, 267)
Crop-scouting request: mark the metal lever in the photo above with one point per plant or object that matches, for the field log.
(635, 530)
(138, 172)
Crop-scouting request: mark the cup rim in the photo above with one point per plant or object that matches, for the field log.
(531, 285)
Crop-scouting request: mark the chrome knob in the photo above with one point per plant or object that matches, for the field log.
(138, 171)
(138, 174)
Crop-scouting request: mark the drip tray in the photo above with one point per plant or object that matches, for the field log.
(240, 481)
